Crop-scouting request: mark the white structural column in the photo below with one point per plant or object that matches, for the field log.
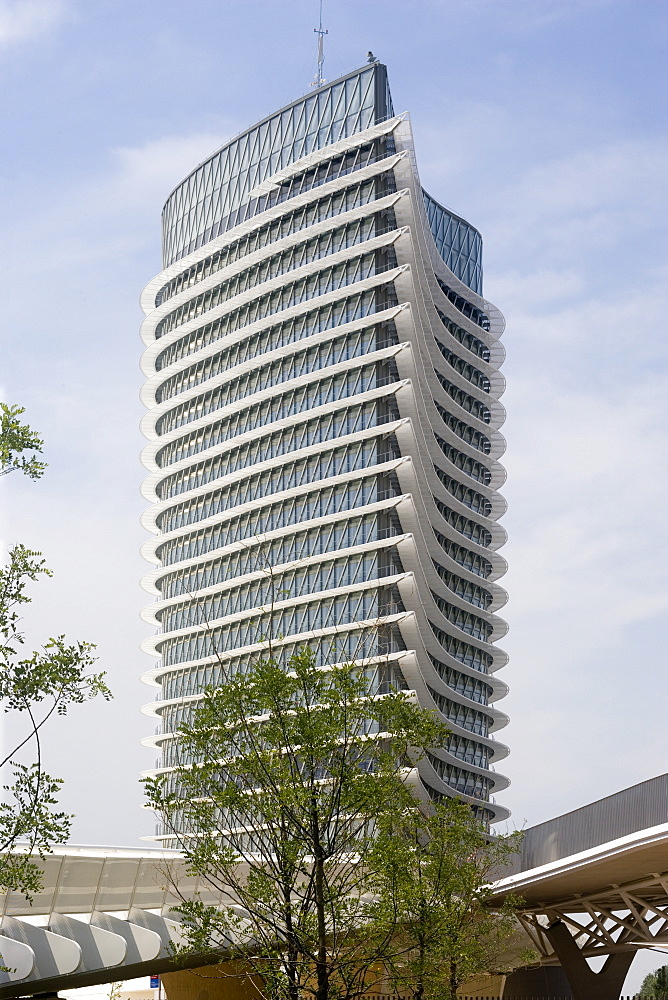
(322, 385)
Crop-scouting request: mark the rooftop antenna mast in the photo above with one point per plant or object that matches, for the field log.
(320, 32)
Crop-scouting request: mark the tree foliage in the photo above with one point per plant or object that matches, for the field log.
(15, 439)
(655, 985)
(283, 776)
(34, 686)
(433, 868)
(293, 798)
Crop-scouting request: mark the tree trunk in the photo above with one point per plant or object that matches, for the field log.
(419, 991)
(322, 972)
(292, 951)
(453, 979)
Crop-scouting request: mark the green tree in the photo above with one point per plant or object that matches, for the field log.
(655, 985)
(15, 439)
(33, 687)
(433, 868)
(284, 774)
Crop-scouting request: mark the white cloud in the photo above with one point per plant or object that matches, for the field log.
(89, 246)
(574, 258)
(114, 212)
(21, 20)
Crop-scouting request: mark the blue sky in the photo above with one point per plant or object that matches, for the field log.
(540, 121)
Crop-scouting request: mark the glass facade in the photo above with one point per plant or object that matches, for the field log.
(219, 194)
(459, 244)
(322, 404)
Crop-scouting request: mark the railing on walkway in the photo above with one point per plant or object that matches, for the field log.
(506, 996)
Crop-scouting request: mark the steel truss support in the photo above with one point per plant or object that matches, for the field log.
(613, 922)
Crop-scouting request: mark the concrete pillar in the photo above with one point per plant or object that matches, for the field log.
(585, 984)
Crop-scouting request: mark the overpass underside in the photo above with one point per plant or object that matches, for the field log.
(594, 884)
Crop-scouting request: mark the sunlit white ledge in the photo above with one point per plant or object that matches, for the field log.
(149, 613)
(246, 402)
(149, 580)
(271, 285)
(149, 548)
(433, 548)
(500, 781)
(435, 584)
(317, 156)
(498, 751)
(151, 710)
(148, 486)
(291, 312)
(278, 246)
(152, 644)
(294, 420)
(299, 638)
(279, 388)
(422, 564)
(257, 221)
(406, 585)
(155, 381)
(406, 544)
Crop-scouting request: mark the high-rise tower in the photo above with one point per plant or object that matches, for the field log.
(323, 390)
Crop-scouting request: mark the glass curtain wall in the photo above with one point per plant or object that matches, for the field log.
(322, 393)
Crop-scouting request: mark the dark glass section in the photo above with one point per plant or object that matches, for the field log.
(465, 368)
(465, 589)
(465, 338)
(468, 434)
(469, 560)
(469, 466)
(458, 243)
(470, 529)
(465, 782)
(473, 657)
(465, 307)
(463, 399)
(469, 687)
(472, 624)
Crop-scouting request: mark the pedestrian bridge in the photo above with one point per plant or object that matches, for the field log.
(103, 915)
(594, 882)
